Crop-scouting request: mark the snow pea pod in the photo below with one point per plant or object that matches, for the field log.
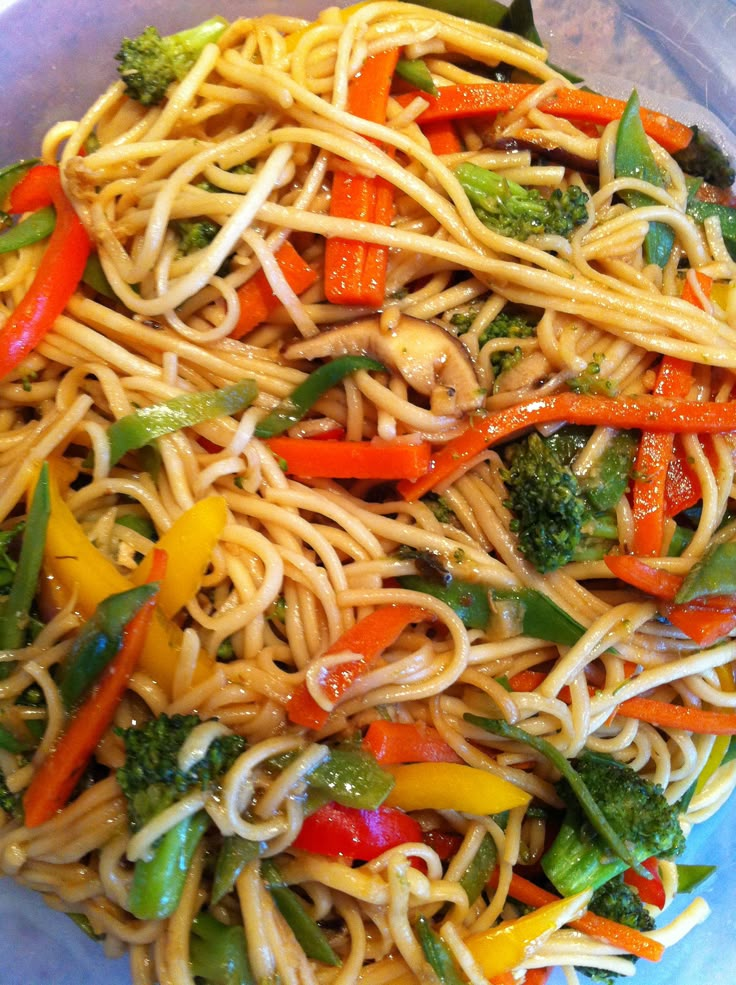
(35, 227)
(307, 931)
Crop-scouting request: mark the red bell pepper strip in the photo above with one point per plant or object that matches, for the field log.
(650, 890)
(59, 271)
(701, 621)
(405, 742)
(647, 412)
(334, 830)
(54, 781)
(489, 98)
(367, 639)
(639, 574)
(626, 938)
(444, 843)
(355, 271)
(682, 486)
(316, 458)
(257, 300)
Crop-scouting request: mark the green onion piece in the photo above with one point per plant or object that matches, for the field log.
(98, 641)
(234, 855)
(309, 934)
(467, 599)
(692, 877)
(15, 613)
(11, 175)
(415, 72)
(634, 158)
(141, 427)
(541, 617)
(478, 872)
(591, 810)
(437, 955)
(35, 227)
(291, 410)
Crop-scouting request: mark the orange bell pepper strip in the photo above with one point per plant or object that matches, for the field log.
(314, 458)
(406, 742)
(355, 271)
(257, 300)
(59, 271)
(54, 781)
(367, 639)
(490, 98)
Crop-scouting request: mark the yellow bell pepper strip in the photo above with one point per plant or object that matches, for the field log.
(648, 412)
(54, 781)
(74, 568)
(512, 942)
(452, 787)
(189, 543)
(59, 270)
(143, 426)
(625, 938)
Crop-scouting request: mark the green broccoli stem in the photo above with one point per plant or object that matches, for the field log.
(573, 862)
(218, 954)
(487, 190)
(158, 881)
(588, 805)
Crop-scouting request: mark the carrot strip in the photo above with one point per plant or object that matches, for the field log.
(257, 300)
(54, 781)
(442, 137)
(315, 458)
(634, 571)
(626, 938)
(537, 976)
(355, 271)
(703, 623)
(405, 742)
(482, 99)
(368, 638)
(664, 715)
(647, 411)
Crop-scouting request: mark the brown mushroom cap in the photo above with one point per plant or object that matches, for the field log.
(430, 359)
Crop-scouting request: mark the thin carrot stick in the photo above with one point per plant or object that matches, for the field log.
(355, 271)
(442, 137)
(314, 458)
(54, 781)
(257, 300)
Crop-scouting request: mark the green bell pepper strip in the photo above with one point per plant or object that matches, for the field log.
(17, 606)
(437, 954)
(467, 599)
(714, 574)
(35, 227)
(218, 954)
(11, 175)
(234, 855)
(415, 72)
(158, 882)
(692, 877)
(587, 803)
(634, 159)
(309, 934)
(478, 872)
(98, 641)
(142, 426)
(541, 617)
(291, 410)
(351, 777)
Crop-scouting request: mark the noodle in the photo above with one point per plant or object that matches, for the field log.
(249, 142)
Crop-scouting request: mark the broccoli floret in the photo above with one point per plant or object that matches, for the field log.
(195, 234)
(152, 780)
(703, 158)
(149, 63)
(545, 499)
(506, 325)
(619, 902)
(591, 381)
(636, 809)
(518, 212)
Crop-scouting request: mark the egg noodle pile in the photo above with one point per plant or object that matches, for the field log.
(301, 560)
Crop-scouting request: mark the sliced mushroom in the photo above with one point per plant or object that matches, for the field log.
(430, 359)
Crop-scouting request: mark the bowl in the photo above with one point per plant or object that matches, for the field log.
(59, 55)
